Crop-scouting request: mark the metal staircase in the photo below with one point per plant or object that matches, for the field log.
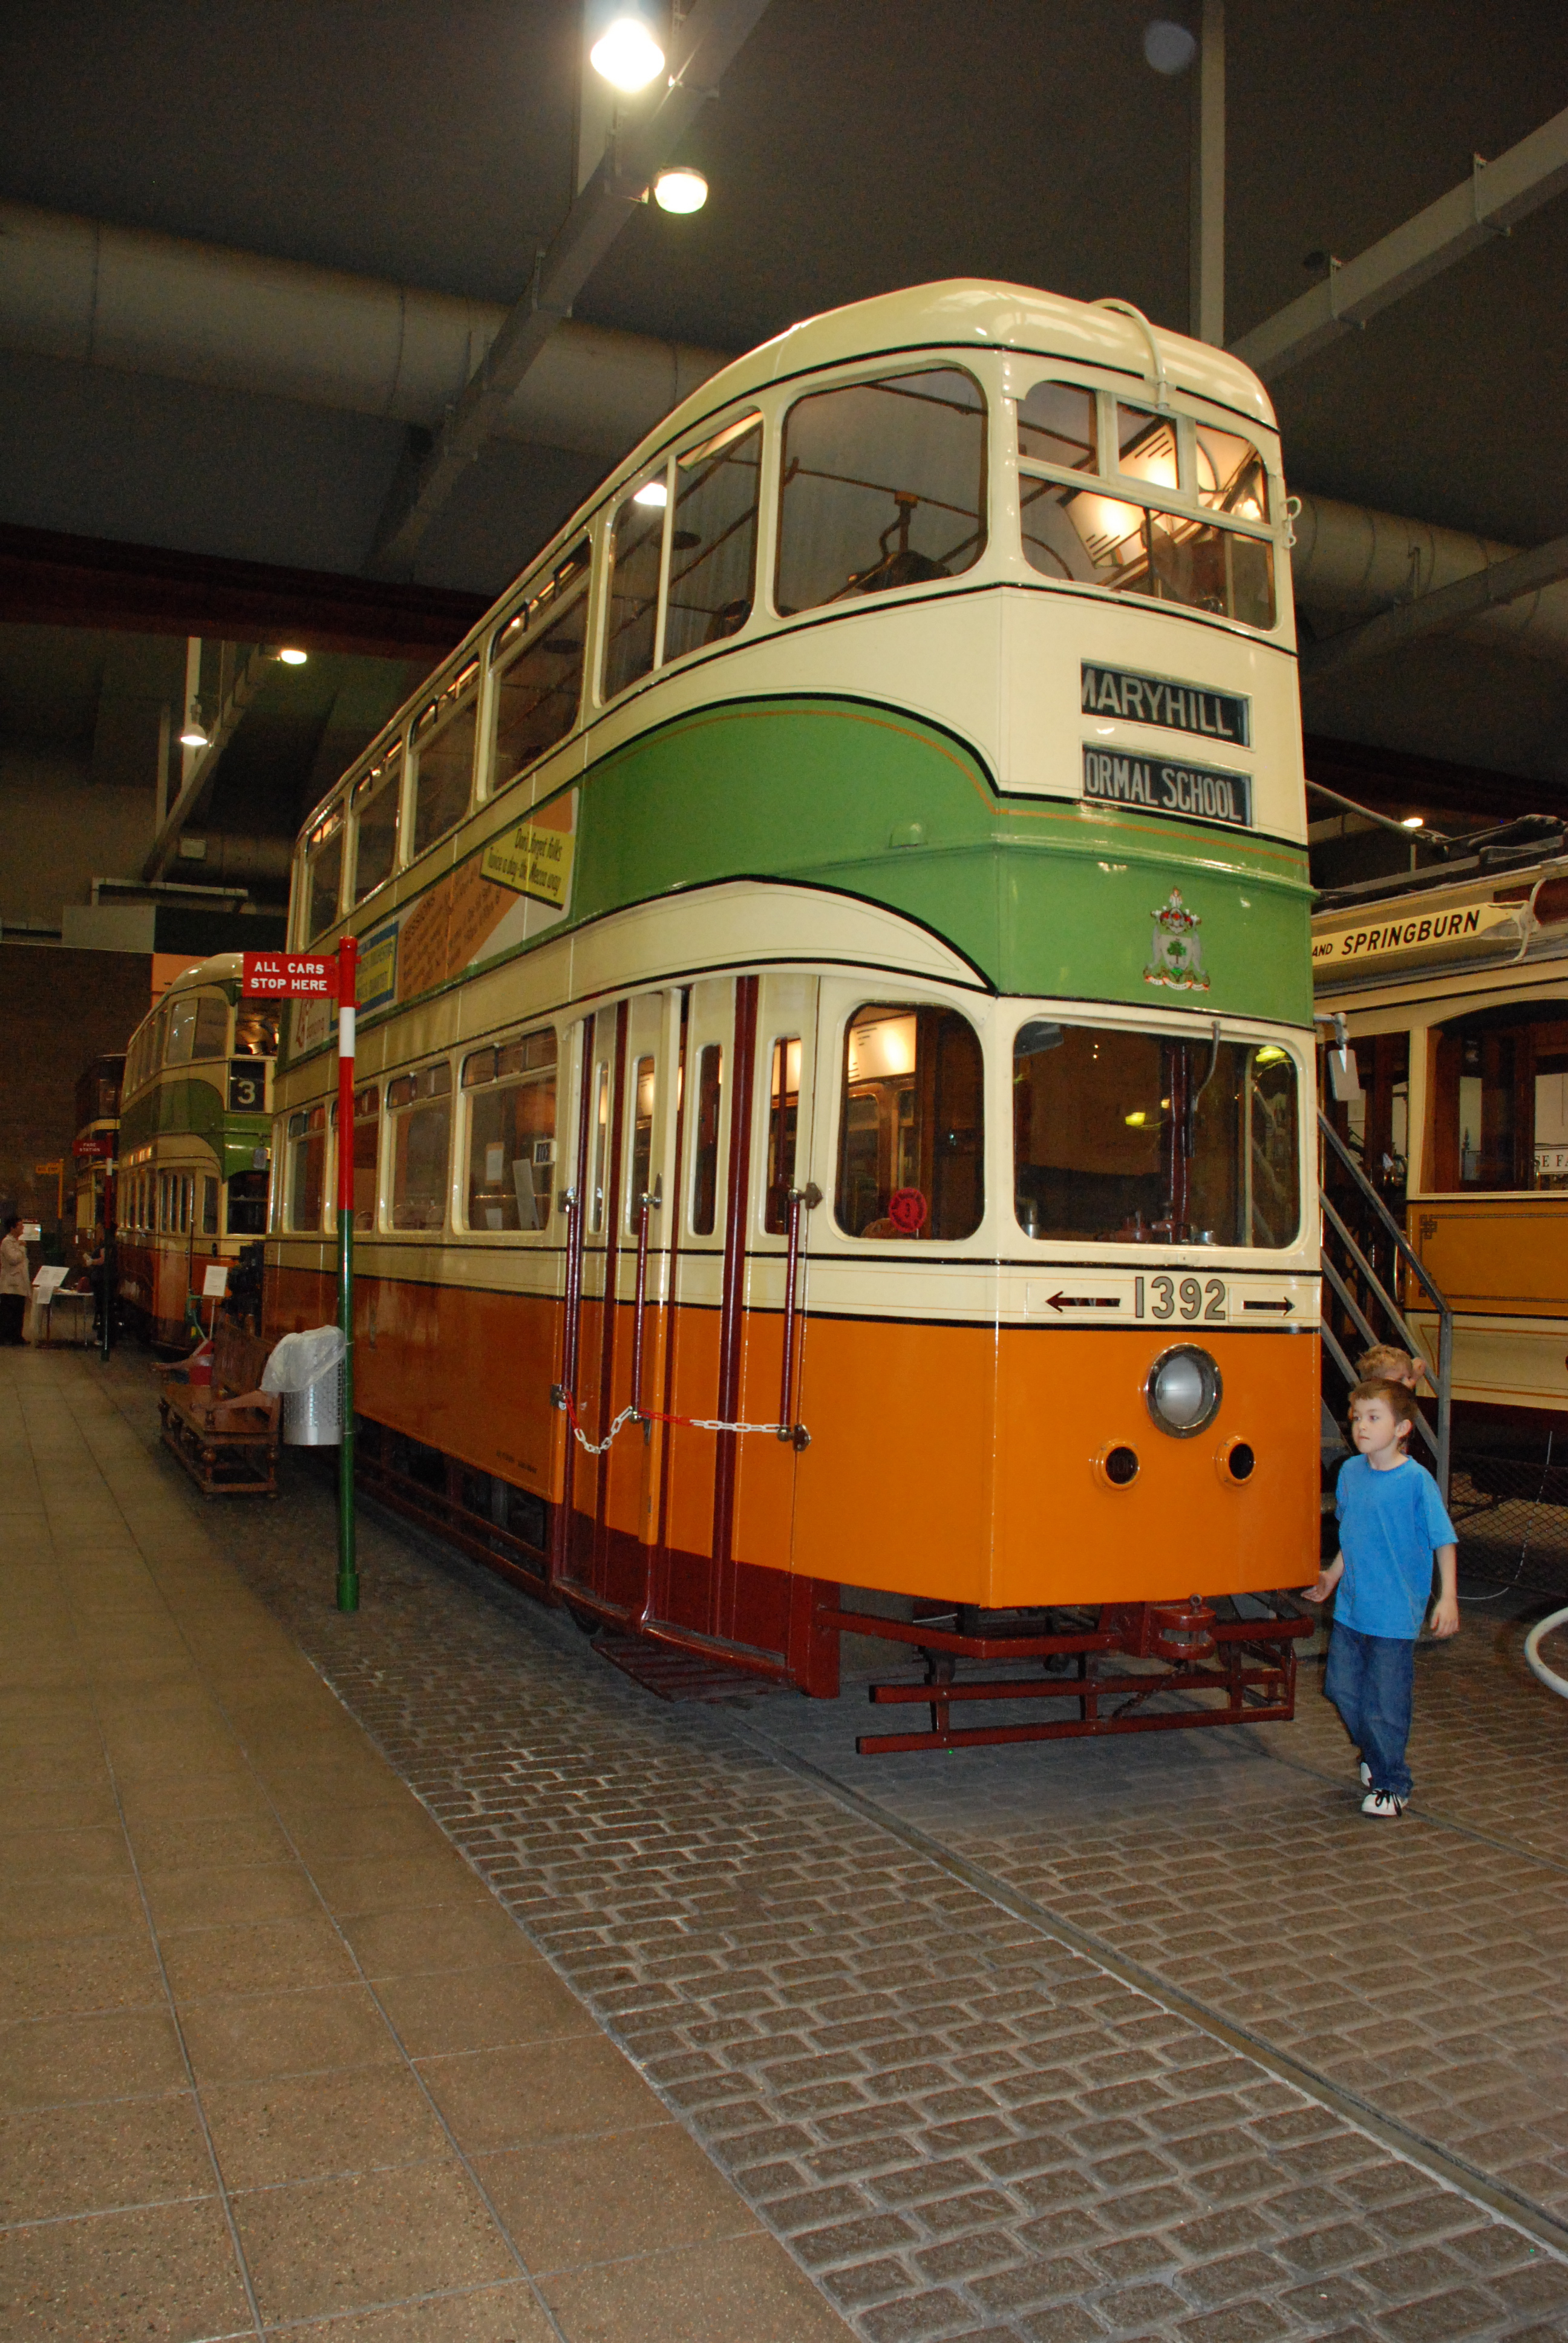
(1366, 1260)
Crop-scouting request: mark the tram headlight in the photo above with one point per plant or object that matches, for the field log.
(1184, 1391)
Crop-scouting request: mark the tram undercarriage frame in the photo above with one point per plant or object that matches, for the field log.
(1192, 1651)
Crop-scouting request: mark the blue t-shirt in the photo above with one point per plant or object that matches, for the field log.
(1390, 1524)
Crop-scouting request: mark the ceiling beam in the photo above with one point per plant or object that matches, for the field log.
(48, 578)
(713, 33)
(1468, 598)
(204, 767)
(1479, 208)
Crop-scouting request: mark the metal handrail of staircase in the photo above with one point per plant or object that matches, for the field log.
(1441, 1444)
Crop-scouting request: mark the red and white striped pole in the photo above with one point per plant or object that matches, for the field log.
(348, 1571)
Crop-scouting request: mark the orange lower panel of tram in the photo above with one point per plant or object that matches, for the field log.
(944, 1462)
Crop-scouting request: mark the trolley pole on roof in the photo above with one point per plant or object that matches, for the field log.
(348, 1569)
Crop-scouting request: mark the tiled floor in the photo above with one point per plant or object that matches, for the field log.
(961, 2126)
(272, 2055)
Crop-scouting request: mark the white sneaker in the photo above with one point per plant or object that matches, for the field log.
(1383, 1804)
(1365, 1772)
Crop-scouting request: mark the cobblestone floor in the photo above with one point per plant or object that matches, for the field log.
(961, 2126)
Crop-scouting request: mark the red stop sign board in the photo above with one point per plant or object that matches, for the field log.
(296, 975)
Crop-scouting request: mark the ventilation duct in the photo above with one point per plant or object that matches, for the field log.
(144, 304)
(1356, 562)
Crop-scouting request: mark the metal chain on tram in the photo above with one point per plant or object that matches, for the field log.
(656, 1415)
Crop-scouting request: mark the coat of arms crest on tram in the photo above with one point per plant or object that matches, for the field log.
(1177, 954)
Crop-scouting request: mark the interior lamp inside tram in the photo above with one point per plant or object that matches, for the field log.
(653, 494)
(680, 190)
(626, 55)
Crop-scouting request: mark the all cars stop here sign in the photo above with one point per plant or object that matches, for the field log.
(296, 975)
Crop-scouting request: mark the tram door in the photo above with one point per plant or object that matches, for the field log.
(726, 1499)
(625, 1138)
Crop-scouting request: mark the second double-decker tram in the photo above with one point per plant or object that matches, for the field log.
(194, 1133)
(836, 1004)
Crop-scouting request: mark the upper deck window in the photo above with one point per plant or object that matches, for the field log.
(443, 746)
(1155, 540)
(636, 542)
(882, 486)
(1136, 1138)
(713, 541)
(376, 796)
(324, 864)
(538, 659)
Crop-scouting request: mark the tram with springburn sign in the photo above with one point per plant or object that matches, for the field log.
(835, 1035)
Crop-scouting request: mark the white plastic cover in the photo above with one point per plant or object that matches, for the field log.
(297, 1360)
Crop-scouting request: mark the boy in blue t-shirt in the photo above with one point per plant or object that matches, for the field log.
(1392, 1522)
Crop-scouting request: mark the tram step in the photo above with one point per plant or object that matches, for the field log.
(678, 1675)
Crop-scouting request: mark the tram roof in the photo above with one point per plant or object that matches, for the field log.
(986, 315)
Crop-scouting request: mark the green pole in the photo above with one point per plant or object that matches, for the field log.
(348, 1569)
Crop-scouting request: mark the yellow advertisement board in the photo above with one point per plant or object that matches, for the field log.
(532, 859)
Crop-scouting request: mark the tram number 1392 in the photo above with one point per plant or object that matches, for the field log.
(1187, 1298)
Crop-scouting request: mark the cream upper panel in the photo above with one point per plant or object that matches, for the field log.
(982, 329)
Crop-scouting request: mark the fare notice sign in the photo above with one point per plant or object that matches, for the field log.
(293, 975)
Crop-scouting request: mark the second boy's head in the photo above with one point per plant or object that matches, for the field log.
(1382, 1414)
(1387, 1364)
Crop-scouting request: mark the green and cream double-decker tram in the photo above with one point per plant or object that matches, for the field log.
(195, 1129)
(835, 984)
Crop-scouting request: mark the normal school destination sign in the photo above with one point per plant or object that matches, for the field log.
(1161, 785)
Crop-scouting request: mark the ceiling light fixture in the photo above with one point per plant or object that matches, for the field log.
(653, 493)
(1169, 49)
(1413, 821)
(292, 655)
(626, 56)
(195, 735)
(680, 190)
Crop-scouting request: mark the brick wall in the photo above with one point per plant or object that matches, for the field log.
(58, 1009)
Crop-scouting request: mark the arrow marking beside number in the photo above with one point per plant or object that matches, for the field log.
(1084, 1302)
(1285, 1307)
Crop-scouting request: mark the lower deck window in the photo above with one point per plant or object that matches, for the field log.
(421, 1110)
(247, 1204)
(511, 1133)
(911, 1158)
(1501, 1105)
(306, 1167)
(1138, 1138)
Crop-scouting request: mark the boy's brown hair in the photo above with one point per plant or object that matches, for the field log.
(1385, 1363)
(1399, 1397)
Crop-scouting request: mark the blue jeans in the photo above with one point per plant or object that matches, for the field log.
(1370, 1679)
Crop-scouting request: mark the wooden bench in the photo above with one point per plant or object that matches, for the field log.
(226, 1434)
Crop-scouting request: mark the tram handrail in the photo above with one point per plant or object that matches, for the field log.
(1405, 1252)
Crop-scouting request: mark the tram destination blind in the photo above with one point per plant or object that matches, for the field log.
(1152, 785)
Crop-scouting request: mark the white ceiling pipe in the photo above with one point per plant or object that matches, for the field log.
(1349, 558)
(144, 304)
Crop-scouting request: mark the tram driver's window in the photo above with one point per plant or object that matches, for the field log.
(255, 1033)
(911, 1158)
(444, 761)
(1146, 1137)
(421, 1111)
(705, 1140)
(883, 485)
(511, 1090)
(783, 1118)
(306, 1167)
(1502, 1081)
(713, 540)
(375, 824)
(636, 542)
